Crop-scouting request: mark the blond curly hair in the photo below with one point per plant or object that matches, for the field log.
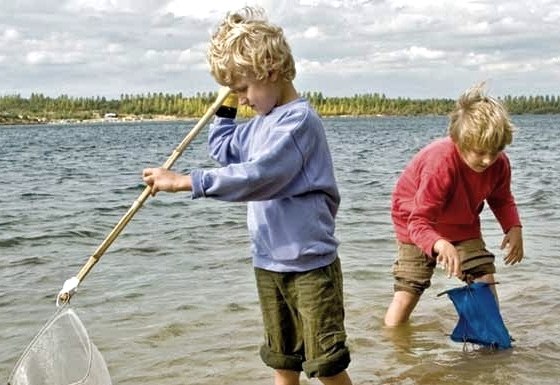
(245, 44)
(480, 122)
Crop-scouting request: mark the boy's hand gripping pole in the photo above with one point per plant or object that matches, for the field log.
(71, 285)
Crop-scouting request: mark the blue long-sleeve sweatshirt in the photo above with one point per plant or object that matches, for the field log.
(279, 163)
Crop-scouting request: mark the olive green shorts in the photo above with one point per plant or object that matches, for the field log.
(413, 269)
(303, 316)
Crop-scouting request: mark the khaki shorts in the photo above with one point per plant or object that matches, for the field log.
(413, 269)
(303, 316)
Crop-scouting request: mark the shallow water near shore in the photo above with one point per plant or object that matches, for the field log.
(173, 301)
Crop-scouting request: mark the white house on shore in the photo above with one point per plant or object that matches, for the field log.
(110, 116)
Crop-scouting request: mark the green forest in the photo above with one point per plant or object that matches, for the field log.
(38, 108)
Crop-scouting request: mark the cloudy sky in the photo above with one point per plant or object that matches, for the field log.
(407, 48)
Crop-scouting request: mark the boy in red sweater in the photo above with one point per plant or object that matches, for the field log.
(438, 198)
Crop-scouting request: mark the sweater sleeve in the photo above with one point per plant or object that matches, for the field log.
(223, 144)
(266, 175)
(501, 200)
(429, 201)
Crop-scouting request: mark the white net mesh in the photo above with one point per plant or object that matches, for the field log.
(61, 354)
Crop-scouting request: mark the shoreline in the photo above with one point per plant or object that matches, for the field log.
(119, 119)
(27, 121)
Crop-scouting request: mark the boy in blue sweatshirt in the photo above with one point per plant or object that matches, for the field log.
(279, 162)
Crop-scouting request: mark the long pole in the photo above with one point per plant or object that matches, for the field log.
(64, 296)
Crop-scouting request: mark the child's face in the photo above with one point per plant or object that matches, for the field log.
(479, 160)
(261, 95)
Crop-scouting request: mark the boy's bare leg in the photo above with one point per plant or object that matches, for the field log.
(489, 279)
(286, 377)
(400, 309)
(341, 378)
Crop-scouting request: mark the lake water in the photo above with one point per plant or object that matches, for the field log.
(173, 301)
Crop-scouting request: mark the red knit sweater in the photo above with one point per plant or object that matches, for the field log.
(439, 196)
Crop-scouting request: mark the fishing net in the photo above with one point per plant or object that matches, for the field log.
(480, 322)
(61, 354)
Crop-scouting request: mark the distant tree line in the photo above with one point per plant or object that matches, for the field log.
(40, 108)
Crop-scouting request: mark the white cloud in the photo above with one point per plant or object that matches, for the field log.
(312, 32)
(200, 9)
(418, 53)
(173, 60)
(49, 57)
(36, 57)
(10, 34)
(114, 48)
(310, 3)
(99, 5)
(508, 67)
(333, 3)
(215, 9)
(189, 56)
(475, 60)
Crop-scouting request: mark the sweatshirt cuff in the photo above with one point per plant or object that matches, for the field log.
(197, 187)
(507, 228)
(427, 244)
(508, 219)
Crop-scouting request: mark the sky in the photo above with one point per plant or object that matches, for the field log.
(400, 48)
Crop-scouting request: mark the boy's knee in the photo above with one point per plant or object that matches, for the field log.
(413, 288)
(413, 269)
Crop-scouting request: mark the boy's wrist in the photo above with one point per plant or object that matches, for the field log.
(514, 228)
(438, 246)
(184, 183)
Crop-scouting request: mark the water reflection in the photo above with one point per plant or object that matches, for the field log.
(423, 358)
